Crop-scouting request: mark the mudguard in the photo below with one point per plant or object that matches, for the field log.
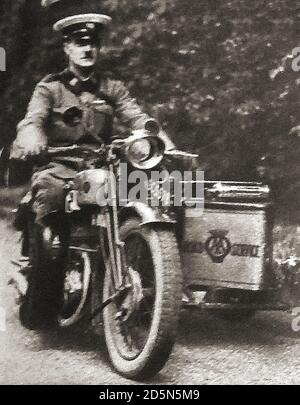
(147, 214)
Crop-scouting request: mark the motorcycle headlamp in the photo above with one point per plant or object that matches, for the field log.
(140, 150)
(145, 153)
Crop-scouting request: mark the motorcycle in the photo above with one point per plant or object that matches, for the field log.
(124, 258)
(133, 265)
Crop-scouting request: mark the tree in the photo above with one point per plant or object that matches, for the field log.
(204, 68)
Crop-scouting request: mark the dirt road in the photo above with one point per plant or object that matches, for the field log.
(208, 351)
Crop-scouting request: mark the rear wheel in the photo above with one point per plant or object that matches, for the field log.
(140, 329)
(39, 307)
(77, 275)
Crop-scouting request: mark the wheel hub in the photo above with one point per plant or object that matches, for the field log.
(133, 299)
(76, 285)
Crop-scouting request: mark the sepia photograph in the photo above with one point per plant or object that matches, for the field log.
(149, 195)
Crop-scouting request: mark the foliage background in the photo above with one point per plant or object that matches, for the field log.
(205, 68)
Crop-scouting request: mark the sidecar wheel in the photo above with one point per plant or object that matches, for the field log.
(139, 345)
(39, 307)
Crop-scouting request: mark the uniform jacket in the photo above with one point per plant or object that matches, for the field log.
(60, 112)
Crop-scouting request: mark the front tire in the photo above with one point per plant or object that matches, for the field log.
(140, 346)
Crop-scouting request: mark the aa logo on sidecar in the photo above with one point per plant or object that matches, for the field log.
(218, 247)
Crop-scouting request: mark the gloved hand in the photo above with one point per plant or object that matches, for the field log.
(30, 141)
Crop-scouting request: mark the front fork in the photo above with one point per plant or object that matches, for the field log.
(116, 262)
(112, 249)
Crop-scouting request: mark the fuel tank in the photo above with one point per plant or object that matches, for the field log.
(91, 186)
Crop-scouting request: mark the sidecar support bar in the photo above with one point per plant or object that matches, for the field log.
(237, 306)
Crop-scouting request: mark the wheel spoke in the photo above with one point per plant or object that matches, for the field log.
(140, 339)
(73, 286)
(135, 330)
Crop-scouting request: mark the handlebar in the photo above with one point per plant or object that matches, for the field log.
(64, 151)
(83, 150)
(60, 149)
(52, 151)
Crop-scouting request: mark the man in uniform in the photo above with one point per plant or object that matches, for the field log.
(61, 111)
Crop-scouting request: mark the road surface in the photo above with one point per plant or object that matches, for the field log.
(264, 350)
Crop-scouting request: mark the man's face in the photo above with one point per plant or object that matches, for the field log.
(83, 53)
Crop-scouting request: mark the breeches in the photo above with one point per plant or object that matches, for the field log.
(48, 189)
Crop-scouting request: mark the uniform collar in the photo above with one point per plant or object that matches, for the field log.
(78, 86)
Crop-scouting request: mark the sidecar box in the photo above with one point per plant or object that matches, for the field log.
(229, 243)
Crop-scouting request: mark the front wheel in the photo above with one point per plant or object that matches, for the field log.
(140, 331)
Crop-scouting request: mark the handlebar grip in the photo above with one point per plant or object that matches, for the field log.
(52, 150)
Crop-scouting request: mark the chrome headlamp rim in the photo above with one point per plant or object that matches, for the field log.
(155, 156)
